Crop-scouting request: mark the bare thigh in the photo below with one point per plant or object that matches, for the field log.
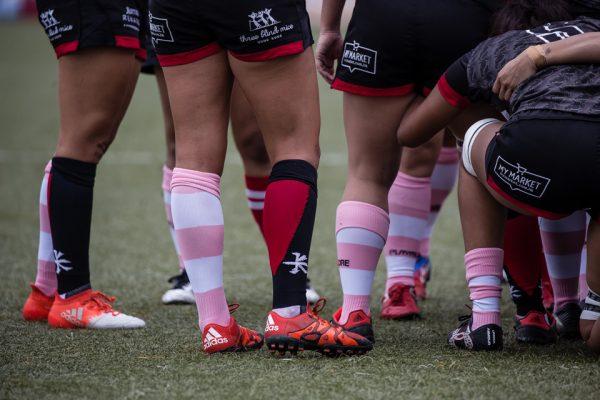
(247, 135)
(284, 96)
(94, 90)
(373, 151)
(420, 161)
(167, 117)
(199, 97)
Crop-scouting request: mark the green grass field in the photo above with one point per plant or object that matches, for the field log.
(132, 256)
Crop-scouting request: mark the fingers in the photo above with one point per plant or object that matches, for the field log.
(326, 71)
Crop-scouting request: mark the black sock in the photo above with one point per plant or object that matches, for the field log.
(525, 302)
(288, 221)
(71, 192)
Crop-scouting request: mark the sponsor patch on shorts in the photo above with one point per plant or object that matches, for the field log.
(159, 29)
(520, 179)
(359, 58)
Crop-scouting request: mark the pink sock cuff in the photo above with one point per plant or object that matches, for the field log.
(166, 178)
(484, 292)
(448, 155)
(405, 180)
(259, 183)
(484, 262)
(190, 181)
(485, 318)
(356, 214)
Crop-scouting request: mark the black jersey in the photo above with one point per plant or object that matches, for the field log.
(564, 88)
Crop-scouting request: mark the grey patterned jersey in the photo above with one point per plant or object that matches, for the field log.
(565, 88)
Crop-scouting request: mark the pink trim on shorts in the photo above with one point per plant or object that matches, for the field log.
(188, 57)
(360, 90)
(284, 50)
(529, 208)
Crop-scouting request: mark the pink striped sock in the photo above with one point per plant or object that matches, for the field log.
(166, 187)
(409, 201)
(442, 182)
(45, 279)
(361, 229)
(198, 222)
(484, 271)
(563, 242)
(583, 286)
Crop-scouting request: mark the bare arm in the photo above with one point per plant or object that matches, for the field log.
(580, 49)
(329, 46)
(425, 119)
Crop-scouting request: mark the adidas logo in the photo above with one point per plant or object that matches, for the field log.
(271, 327)
(213, 338)
(74, 315)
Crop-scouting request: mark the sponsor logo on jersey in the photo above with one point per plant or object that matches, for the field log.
(159, 29)
(54, 28)
(213, 338)
(554, 32)
(131, 18)
(300, 264)
(519, 179)
(271, 327)
(359, 58)
(264, 27)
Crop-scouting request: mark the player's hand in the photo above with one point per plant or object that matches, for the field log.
(329, 49)
(512, 75)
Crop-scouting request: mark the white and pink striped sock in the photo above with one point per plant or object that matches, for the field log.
(409, 201)
(256, 190)
(361, 229)
(563, 242)
(443, 179)
(166, 187)
(198, 221)
(583, 286)
(484, 273)
(45, 279)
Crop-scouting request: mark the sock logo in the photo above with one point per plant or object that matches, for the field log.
(402, 252)
(213, 338)
(271, 327)
(62, 264)
(343, 263)
(299, 264)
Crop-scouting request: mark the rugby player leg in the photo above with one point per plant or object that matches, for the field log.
(363, 216)
(411, 195)
(201, 117)
(590, 318)
(181, 289)
(91, 109)
(255, 159)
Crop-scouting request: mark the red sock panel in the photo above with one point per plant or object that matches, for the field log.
(523, 252)
(256, 189)
(288, 220)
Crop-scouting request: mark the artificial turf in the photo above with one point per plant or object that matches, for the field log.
(132, 256)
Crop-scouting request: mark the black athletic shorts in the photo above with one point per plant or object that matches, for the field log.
(395, 47)
(251, 30)
(549, 167)
(72, 25)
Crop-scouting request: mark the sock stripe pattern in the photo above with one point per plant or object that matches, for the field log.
(45, 279)
(563, 242)
(409, 202)
(443, 180)
(256, 191)
(166, 187)
(484, 273)
(288, 221)
(591, 307)
(361, 230)
(199, 230)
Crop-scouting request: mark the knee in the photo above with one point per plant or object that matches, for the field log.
(251, 146)
(90, 140)
(375, 174)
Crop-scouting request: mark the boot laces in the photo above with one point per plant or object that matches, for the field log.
(102, 302)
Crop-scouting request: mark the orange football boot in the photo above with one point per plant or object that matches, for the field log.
(92, 310)
(308, 331)
(233, 337)
(400, 303)
(37, 306)
(358, 322)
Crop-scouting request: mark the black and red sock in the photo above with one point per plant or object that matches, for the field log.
(288, 221)
(71, 192)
